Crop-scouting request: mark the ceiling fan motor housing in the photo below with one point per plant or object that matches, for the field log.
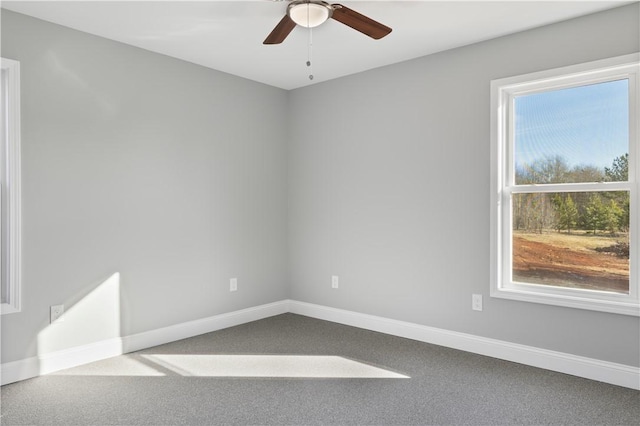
(309, 13)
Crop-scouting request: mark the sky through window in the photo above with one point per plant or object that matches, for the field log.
(585, 125)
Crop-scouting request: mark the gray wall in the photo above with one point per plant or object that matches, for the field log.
(389, 190)
(170, 174)
(178, 178)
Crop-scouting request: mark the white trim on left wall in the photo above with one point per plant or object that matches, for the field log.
(11, 184)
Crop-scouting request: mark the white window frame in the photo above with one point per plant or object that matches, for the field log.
(10, 201)
(503, 92)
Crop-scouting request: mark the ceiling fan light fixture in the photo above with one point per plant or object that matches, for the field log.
(309, 14)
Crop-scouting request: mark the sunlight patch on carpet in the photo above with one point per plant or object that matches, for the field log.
(270, 366)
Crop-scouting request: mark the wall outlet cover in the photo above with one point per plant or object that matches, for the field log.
(476, 302)
(56, 314)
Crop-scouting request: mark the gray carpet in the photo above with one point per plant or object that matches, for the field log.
(445, 386)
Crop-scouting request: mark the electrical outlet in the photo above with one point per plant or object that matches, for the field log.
(233, 284)
(56, 314)
(476, 302)
(334, 281)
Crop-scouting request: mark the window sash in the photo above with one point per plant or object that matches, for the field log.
(510, 92)
(570, 187)
(559, 291)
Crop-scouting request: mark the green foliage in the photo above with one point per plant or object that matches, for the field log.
(619, 171)
(611, 215)
(601, 216)
(593, 217)
(567, 212)
(623, 214)
(593, 211)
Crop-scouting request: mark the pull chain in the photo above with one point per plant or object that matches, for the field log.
(309, 53)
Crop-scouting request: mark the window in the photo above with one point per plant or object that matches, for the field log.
(10, 187)
(564, 186)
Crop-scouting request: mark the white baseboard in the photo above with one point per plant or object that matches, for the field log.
(608, 372)
(185, 330)
(50, 362)
(603, 371)
(19, 370)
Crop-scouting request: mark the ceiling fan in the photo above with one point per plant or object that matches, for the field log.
(311, 13)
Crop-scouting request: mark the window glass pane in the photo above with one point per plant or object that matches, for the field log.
(579, 134)
(572, 239)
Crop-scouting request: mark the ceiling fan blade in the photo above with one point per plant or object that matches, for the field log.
(359, 22)
(281, 31)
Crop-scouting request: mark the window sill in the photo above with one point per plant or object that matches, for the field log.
(617, 304)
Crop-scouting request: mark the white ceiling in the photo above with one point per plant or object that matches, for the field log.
(228, 35)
